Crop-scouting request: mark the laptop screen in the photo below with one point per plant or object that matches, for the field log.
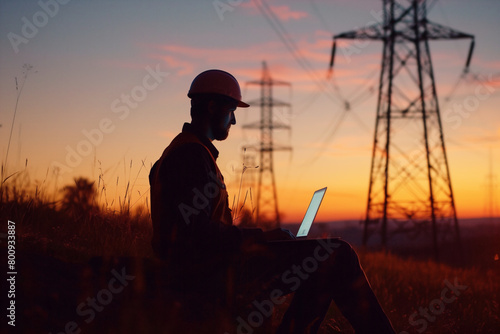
(311, 212)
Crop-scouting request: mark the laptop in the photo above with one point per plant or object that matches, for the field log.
(311, 212)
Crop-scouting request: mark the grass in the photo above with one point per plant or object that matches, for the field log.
(44, 223)
(403, 285)
(406, 285)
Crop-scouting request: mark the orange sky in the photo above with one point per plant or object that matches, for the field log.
(88, 57)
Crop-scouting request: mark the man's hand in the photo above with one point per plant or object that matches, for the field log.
(279, 234)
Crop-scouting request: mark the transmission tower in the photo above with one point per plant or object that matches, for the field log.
(410, 188)
(267, 200)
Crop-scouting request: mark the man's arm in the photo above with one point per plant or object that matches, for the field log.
(189, 187)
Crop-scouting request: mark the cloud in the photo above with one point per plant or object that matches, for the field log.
(184, 59)
(283, 13)
(245, 61)
(495, 79)
(183, 67)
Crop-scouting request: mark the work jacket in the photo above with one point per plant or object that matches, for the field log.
(190, 211)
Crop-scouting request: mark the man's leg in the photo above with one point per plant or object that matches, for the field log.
(341, 279)
(318, 271)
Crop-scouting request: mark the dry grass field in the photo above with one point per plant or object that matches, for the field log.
(66, 260)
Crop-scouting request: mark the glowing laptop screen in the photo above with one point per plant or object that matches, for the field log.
(311, 212)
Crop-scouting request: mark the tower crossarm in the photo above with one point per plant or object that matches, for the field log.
(436, 31)
(274, 125)
(274, 102)
(382, 31)
(432, 31)
(372, 32)
(375, 31)
(268, 81)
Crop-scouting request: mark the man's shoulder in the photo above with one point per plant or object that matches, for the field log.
(190, 157)
(184, 150)
(185, 144)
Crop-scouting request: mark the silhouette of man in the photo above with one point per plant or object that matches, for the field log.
(193, 233)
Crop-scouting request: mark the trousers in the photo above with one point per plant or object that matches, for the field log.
(318, 272)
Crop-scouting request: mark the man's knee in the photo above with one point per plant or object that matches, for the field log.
(343, 255)
(349, 252)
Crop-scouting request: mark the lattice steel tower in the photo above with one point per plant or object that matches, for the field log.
(410, 188)
(267, 200)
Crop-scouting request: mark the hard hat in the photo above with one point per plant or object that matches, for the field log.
(217, 82)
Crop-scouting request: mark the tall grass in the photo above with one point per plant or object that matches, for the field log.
(403, 286)
(45, 226)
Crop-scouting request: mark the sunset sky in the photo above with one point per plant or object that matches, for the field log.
(107, 92)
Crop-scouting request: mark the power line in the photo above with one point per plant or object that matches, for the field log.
(329, 89)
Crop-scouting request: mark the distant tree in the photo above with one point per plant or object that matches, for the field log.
(80, 199)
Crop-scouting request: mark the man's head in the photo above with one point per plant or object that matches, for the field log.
(215, 95)
(214, 113)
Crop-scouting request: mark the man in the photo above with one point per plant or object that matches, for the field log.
(193, 232)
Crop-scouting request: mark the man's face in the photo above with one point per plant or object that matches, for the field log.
(222, 119)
